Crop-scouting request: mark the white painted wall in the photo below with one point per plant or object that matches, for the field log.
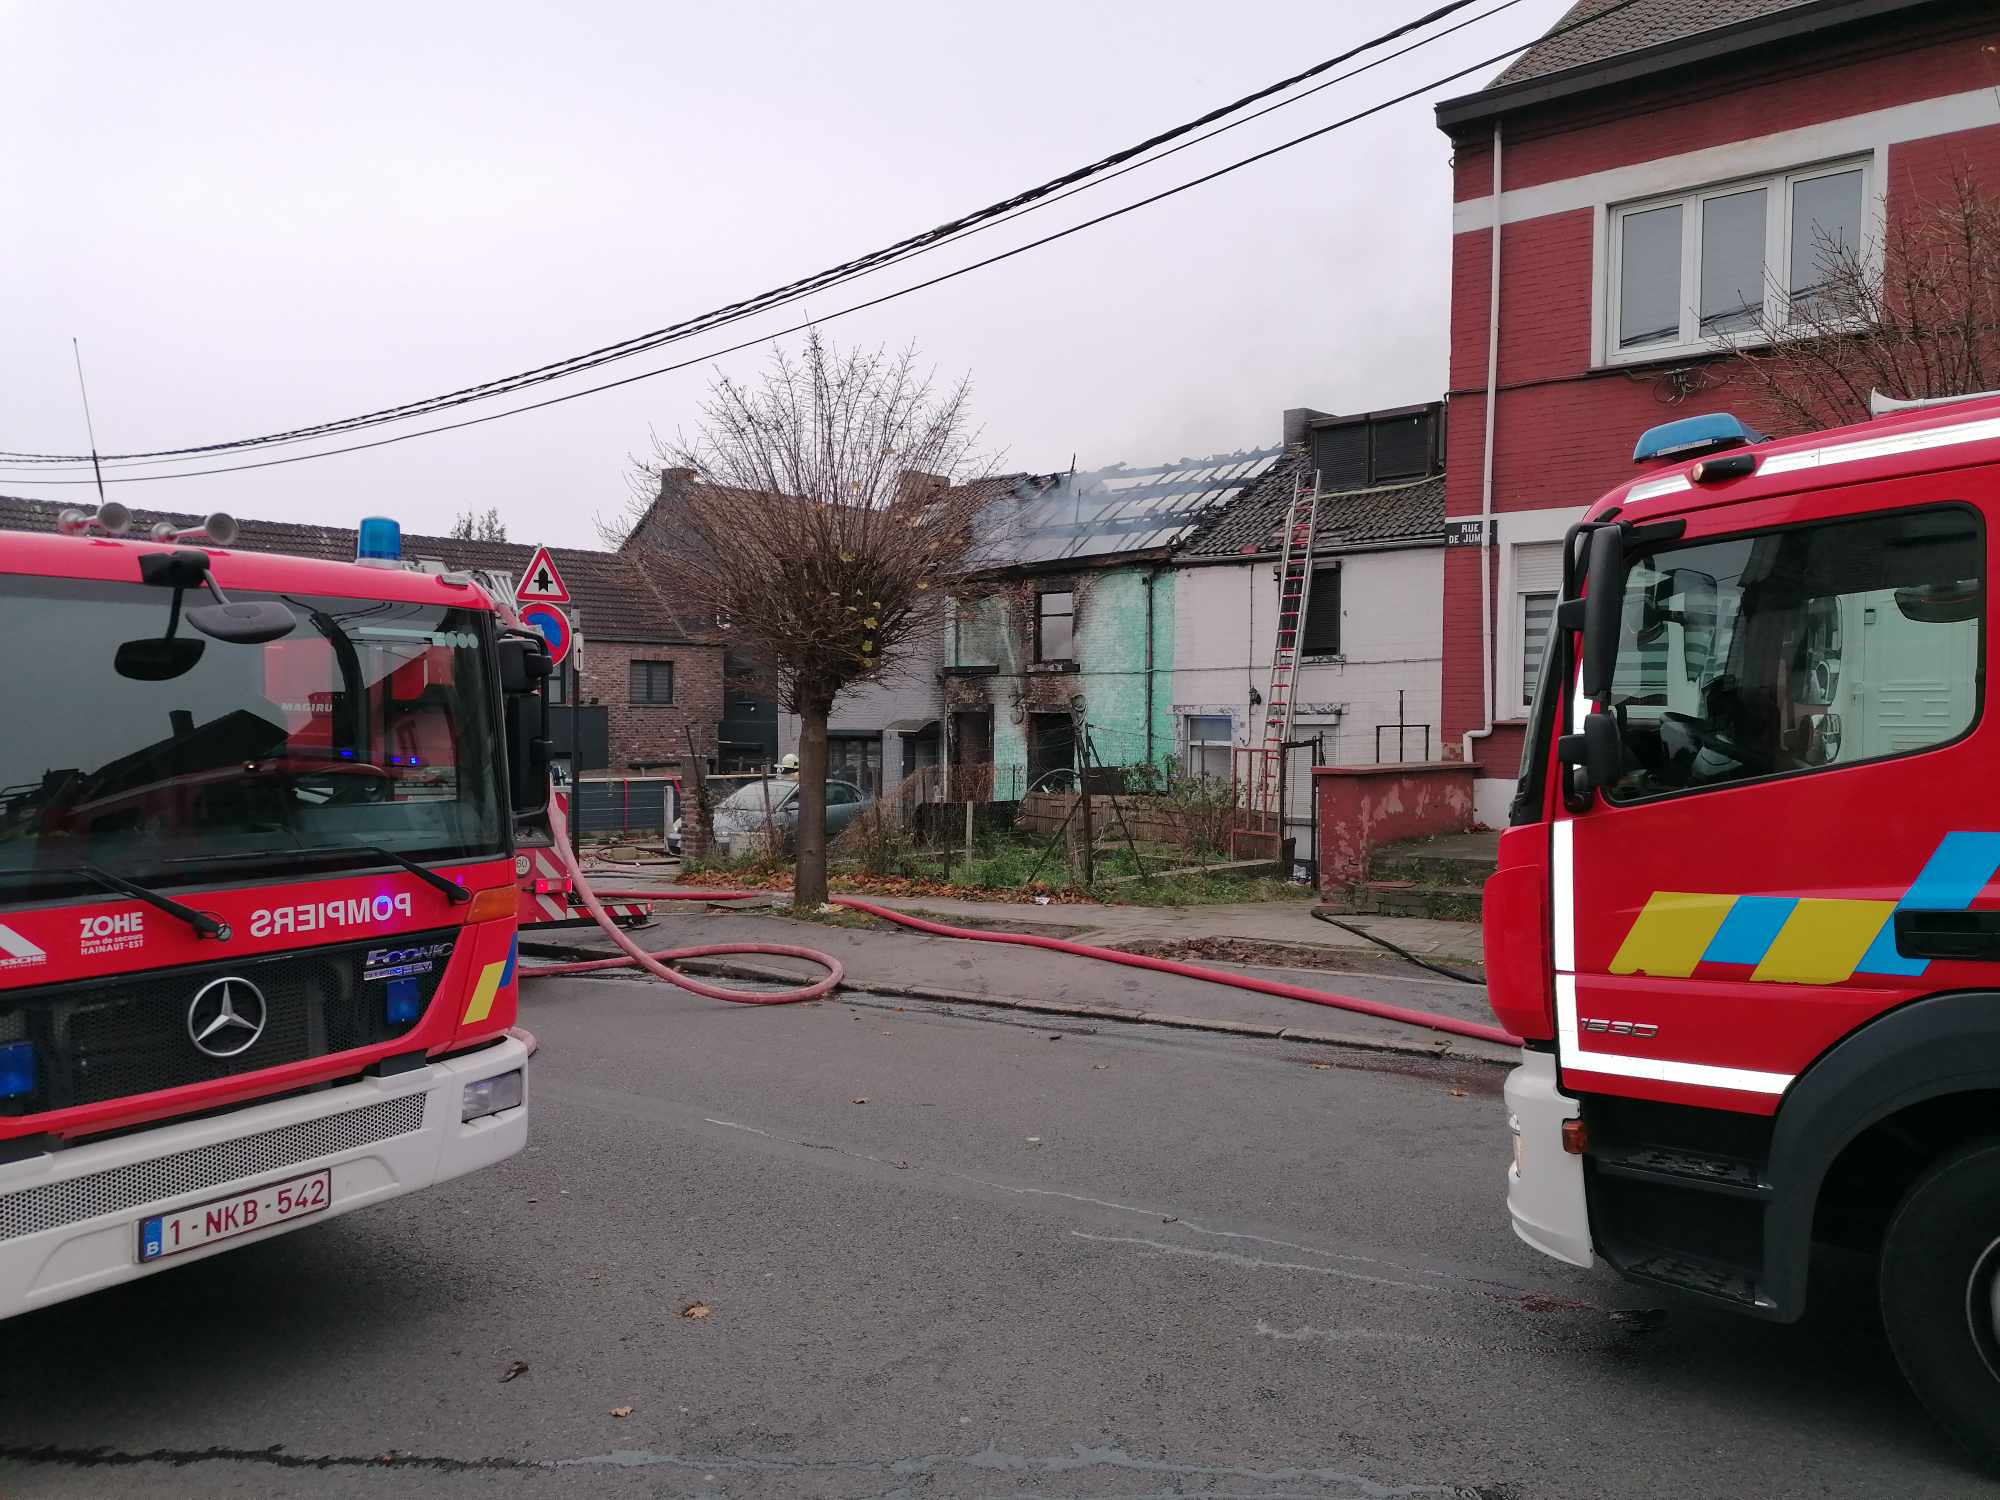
(910, 692)
(1391, 636)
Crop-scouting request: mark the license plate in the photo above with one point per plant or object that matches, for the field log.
(260, 1208)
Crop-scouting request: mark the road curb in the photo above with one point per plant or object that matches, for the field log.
(1445, 1047)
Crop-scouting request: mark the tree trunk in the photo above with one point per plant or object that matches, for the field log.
(809, 878)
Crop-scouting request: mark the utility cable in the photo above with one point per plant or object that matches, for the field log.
(873, 301)
(818, 280)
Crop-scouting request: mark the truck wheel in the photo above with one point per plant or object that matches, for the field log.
(1940, 1276)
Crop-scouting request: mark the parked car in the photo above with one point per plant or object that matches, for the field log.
(739, 817)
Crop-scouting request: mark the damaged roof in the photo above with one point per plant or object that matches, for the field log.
(615, 599)
(1059, 517)
(1407, 511)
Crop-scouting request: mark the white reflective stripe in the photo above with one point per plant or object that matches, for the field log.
(1652, 489)
(1857, 451)
(1569, 1037)
(546, 867)
(551, 907)
(1701, 1075)
(1881, 447)
(1562, 898)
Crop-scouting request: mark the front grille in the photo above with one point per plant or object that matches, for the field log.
(128, 1033)
(121, 1189)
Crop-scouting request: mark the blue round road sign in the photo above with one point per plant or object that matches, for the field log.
(553, 625)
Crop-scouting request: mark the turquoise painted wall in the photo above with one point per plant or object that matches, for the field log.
(1111, 661)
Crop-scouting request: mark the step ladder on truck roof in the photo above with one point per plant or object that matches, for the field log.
(1745, 913)
(257, 905)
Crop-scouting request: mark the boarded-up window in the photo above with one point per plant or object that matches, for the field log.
(1341, 456)
(1321, 636)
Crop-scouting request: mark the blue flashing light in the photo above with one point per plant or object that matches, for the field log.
(405, 1001)
(1691, 437)
(17, 1070)
(347, 755)
(379, 543)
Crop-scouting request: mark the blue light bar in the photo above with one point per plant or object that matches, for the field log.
(379, 543)
(1692, 436)
(405, 1001)
(17, 1070)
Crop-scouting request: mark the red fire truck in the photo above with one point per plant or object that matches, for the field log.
(257, 900)
(1746, 915)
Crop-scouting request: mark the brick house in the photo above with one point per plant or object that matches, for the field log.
(1620, 187)
(654, 678)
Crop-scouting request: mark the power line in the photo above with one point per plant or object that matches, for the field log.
(708, 322)
(820, 280)
(951, 275)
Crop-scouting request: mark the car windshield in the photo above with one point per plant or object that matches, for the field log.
(750, 797)
(369, 724)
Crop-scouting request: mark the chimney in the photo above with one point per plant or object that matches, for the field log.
(915, 484)
(1297, 420)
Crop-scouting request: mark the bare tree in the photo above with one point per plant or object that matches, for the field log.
(1922, 318)
(472, 526)
(815, 518)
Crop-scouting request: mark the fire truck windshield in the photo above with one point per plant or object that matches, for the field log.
(370, 724)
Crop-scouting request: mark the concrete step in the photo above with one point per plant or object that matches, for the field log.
(1462, 860)
(1410, 898)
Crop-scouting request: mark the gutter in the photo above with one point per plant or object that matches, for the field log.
(1679, 54)
(1226, 559)
(1487, 665)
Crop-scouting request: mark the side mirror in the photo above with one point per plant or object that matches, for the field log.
(524, 663)
(1597, 750)
(1603, 606)
(152, 659)
(528, 755)
(249, 623)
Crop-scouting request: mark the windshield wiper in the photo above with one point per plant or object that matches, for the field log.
(203, 924)
(455, 892)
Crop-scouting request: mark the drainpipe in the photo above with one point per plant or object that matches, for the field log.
(1488, 667)
(1151, 575)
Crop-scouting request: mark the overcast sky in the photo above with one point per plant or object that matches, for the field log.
(258, 216)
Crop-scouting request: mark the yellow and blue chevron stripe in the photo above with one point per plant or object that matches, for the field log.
(494, 978)
(1802, 939)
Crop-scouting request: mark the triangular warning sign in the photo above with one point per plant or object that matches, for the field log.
(540, 582)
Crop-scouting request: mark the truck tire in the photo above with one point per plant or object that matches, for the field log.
(1940, 1278)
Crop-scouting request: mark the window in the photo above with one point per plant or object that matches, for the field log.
(1356, 453)
(1793, 650)
(1726, 261)
(856, 758)
(652, 682)
(1209, 742)
(1321, 637)
(840, 794)
(561, 682)
(1537, 582)
(1055, 615)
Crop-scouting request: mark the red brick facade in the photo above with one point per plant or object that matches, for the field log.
(1905, 99)
(652, 736)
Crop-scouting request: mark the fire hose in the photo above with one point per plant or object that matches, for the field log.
(655, 963)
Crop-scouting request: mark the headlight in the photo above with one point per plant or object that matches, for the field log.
(491, 1095)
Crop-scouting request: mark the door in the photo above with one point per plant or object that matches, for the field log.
(1798, 691)
(1051, 746)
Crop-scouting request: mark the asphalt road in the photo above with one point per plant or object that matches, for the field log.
(1038, 1260)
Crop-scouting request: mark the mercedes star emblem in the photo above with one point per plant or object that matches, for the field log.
(226, 1017)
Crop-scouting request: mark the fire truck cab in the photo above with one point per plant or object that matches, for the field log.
(1746, 914)
(257, 899)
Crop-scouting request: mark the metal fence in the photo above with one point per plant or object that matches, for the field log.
(641, 806)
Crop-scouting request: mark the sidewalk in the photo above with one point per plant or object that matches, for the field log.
(908, 962)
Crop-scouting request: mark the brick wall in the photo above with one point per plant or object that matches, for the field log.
(1564, 431)
(1798, 87)
(655, 734)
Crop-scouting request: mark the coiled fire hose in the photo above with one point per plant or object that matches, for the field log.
(656, 963)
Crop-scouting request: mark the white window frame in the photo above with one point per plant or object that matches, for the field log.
(1516, 529)
(1778, 188)
(1189, 744)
